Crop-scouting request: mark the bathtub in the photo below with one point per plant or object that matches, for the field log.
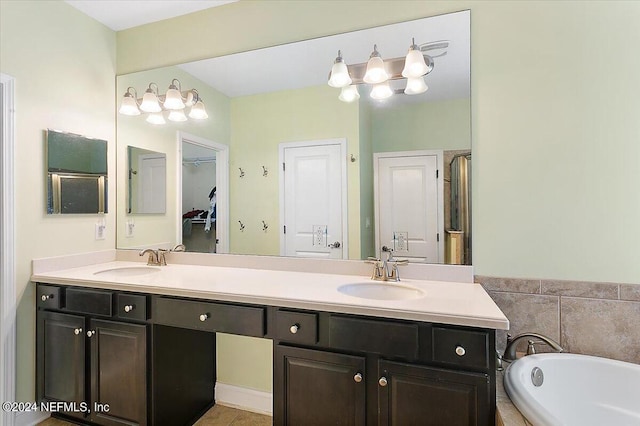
(575, 390)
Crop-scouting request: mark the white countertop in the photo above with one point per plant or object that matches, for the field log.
(444, 302)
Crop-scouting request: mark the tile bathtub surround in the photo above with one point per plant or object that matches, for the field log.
(589, 318)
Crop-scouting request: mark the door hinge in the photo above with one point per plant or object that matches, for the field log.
(438, 237)
(285, 229)
(283, 167)
(437, 174)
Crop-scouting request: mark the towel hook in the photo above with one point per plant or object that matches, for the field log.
(264, 226)
(265, 171)
(241, 172)
(241, 226)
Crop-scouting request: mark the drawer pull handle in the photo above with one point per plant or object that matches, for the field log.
(77, 331)
(383, 381)
(294, 328)
(90, 333)
(460, 351)
(204, 317)
(129, 308)
(45, 297)
(357, 378)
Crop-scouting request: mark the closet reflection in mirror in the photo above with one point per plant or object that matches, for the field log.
(147, 177)
(262, 121)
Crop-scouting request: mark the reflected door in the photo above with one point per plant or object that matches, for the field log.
(408, 206)
(152, 183)
(312, 191)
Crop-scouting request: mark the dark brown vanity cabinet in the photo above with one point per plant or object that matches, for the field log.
(375, 371)
(98, 364)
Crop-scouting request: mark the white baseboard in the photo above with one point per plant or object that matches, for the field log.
(244, 398)
(31, 418)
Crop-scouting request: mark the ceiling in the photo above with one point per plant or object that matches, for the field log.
(122, 14)
(304, 64)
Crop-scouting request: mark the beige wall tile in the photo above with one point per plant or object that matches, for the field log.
(606, 328)
(528, 313)
(580, 289)
(630, 292)
(513, 285)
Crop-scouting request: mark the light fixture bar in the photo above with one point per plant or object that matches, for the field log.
(393, 66)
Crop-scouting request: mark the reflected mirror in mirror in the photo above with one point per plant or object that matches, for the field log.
(321, 171)
(147, 181)
(76, 173)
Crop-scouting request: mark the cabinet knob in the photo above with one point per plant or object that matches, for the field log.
(90, 333)
(204, 317)
(383, 381)
(294, 328)
(77, 331)
(128, 308)
(357, 378)
(460, 351)
(44, 297)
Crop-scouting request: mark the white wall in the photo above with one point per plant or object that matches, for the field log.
(64, 66)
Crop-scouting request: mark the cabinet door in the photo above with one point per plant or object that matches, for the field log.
(118, 373)
(318, 388)
(60, 358)
(426, 396)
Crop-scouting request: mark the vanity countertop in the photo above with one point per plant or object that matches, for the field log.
(465, 304)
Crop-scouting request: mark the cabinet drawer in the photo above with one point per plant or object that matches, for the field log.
(206, 316)
(131, 306)
(461, 347)
(97, 302)
(382, 337)
(297, 327)
(49, 297)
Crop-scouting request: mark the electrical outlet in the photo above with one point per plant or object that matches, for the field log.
(128, 228)
(100, 230)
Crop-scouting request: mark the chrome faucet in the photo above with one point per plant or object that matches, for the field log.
(386, 268)
(512, 343)
(157, 257)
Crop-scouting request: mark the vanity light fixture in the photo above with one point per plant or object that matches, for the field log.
(377, 72)
(349, 93)
(414, 63)
(339, 73)
(174, 101)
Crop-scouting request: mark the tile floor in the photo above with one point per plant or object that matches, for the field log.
(217, 416)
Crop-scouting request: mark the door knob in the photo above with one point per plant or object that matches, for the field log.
(357, 378)
(45, 297)
(460, 351)
(294, 328)
(335, 245)
(90, 333)
(383, 381)
(128, 308)
(204, 317)
(77, 331)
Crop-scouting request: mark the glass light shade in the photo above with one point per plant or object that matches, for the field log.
(173, 100)
(177, 115)
(381, 91)
(375, 71)
(415, 86)
(349, 94)
(339, 75)
(129, 106)
(198, 112)
(155, 119)
(150, 102)
(190, 99)
(415, 65)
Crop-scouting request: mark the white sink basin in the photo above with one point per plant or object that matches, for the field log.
(127, 271)
(381, 291)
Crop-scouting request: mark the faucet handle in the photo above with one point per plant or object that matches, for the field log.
(179, 247)
(162, 260)
(373, 260)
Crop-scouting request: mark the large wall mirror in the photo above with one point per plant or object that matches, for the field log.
(284, 165)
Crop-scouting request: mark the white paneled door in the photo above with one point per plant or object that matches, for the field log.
(313, 199)
(408, 205)
(152, 183)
